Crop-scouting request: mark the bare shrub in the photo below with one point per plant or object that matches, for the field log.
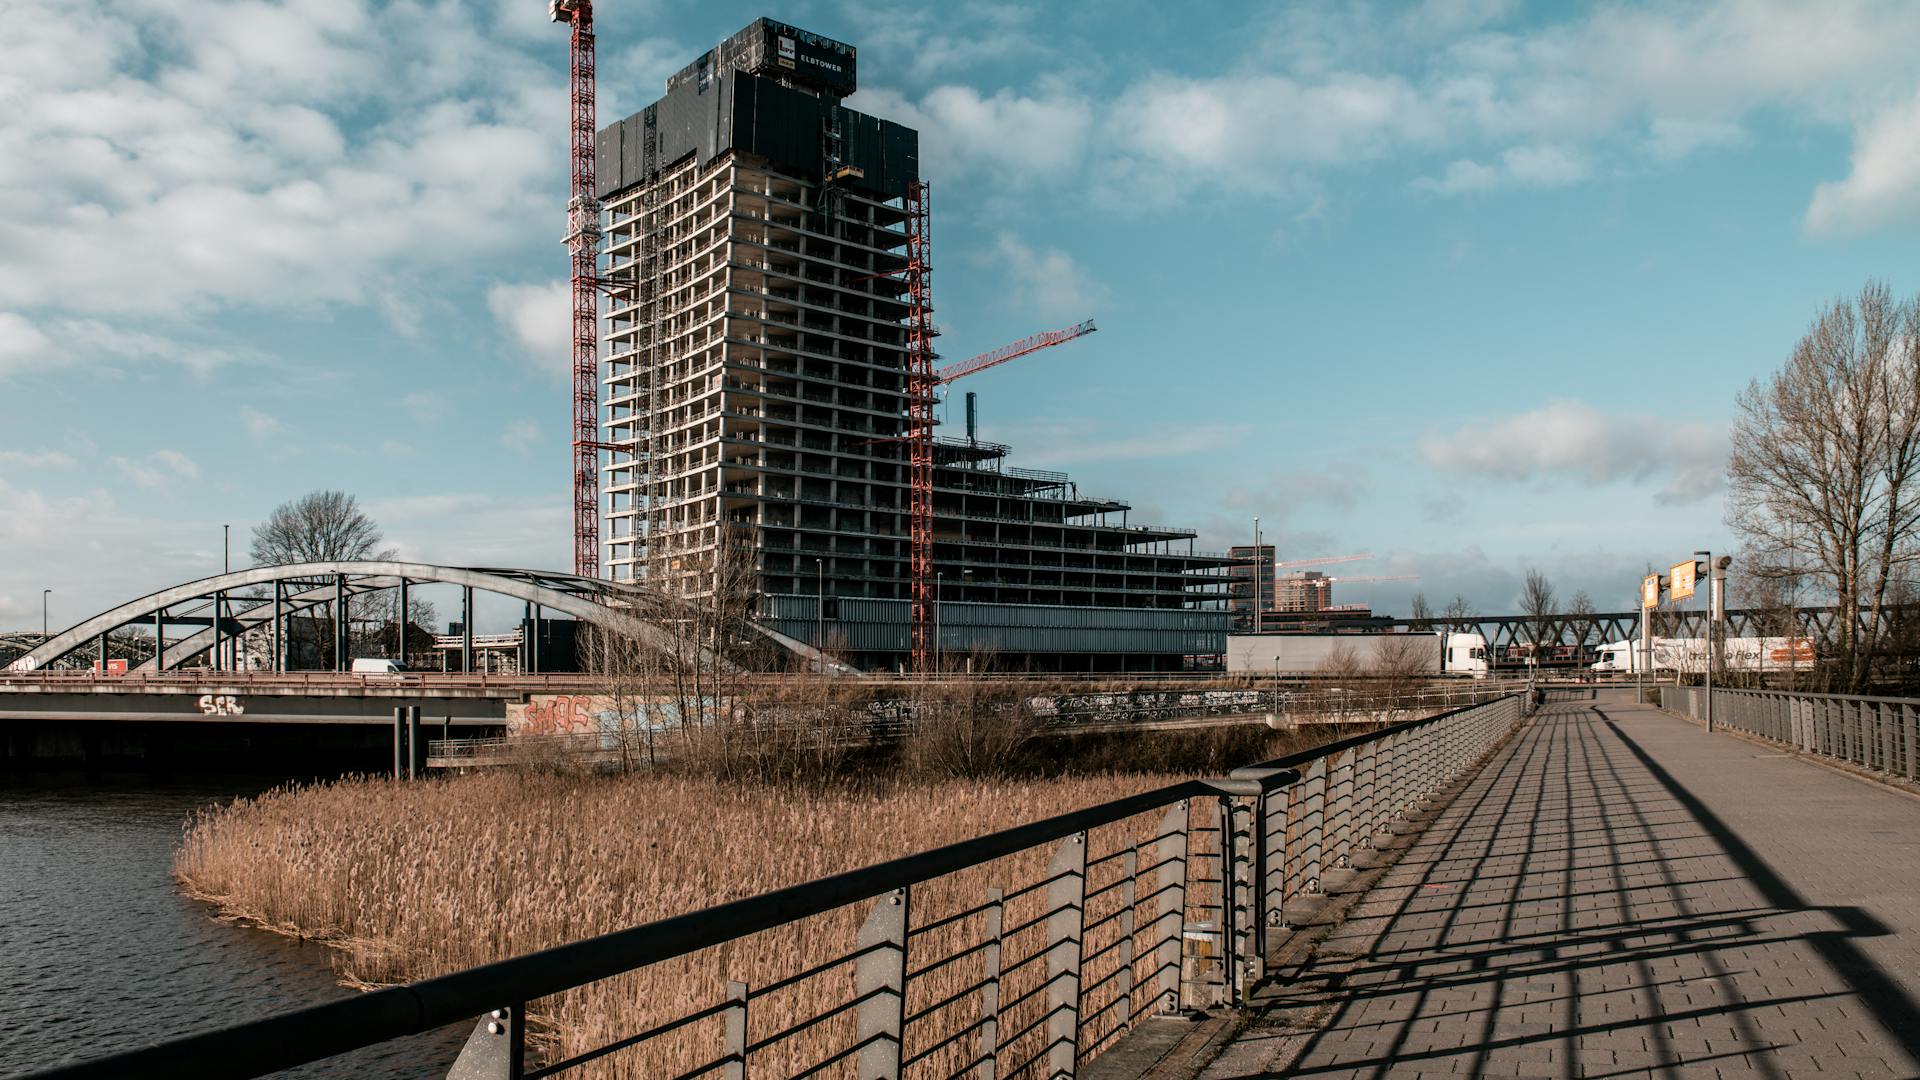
(969, 727)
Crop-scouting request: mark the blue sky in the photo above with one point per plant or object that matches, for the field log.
(1470, 285)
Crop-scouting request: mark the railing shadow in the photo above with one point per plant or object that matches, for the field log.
(1513, 935)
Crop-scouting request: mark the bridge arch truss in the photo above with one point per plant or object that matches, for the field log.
(226, 607)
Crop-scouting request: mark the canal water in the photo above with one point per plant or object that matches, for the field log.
(100, 952)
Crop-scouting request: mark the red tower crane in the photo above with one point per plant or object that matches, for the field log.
(583, 245)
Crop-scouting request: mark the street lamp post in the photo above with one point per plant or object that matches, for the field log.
(226, 567)
(1707, 557)
(44, 593)
(939, 581)
(1259, 565)
(820, 616)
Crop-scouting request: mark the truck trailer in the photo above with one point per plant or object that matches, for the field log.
(1435, 652)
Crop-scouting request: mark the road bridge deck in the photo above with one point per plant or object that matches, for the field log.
(1619, 893)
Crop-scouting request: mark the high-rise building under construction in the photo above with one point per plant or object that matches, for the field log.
(756, 389)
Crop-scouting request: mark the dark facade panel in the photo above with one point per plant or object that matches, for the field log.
(607, 161)
(633, 167)
(757, 115)
(777, 50)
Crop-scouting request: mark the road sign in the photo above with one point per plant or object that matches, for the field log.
(1681, 578)
(1650, 591)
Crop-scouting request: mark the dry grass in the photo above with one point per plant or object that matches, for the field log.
(412, 880)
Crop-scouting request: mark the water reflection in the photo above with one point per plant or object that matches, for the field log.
(100, 952)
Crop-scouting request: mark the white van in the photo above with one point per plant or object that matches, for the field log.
(378, 667)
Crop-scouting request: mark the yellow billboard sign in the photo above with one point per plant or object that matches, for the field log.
(1680, 580)
(1650, 591)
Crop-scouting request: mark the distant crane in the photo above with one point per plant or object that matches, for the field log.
(922, 383)
(1376, 577)
(583, 244)
(1321, 560)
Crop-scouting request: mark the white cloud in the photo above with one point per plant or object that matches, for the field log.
(1592, 92)
(924, 41)
(1011, 137)
(157, 470)
(1517, 166)
(425, 406)
(1063, 441)
(520, 435)
(1046, 280)
(258, 424)
(23, 346)
(186, 158)
(1573, 441)
(478, 529)
(40, 459)
(540, 318)
(1884, 185)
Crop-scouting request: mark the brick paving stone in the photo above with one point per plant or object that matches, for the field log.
(1618, 893)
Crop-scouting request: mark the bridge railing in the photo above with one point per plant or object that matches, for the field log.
(1023, 952)
(1877, 733)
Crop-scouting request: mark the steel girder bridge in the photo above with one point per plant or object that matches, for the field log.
(204, 618)
(1820, 624)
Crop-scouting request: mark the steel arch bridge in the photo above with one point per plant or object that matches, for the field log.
(222, 608)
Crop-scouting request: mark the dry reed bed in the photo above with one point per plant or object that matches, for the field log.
(413, 880)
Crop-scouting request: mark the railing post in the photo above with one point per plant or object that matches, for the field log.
(1123, 979)
(1270, 865)
(497, 1048)
(1368, 795)
(736, 1032)
(1066, 927)
(1910, 721)
(1340, 850)
(1243, 962)
(1170, 925)
(880, 984)
(989, 1066)
(1315, 824)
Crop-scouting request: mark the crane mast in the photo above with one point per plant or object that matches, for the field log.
(920, 384)
(583, 246)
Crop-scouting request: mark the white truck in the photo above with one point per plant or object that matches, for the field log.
(1689, 655)
(1433, 652)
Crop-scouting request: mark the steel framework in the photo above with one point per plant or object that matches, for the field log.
(1821, 624)
(262, 597)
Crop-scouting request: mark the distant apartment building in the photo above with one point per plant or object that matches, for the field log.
(1303, 590)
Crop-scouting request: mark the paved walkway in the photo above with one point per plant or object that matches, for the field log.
(1619, 893)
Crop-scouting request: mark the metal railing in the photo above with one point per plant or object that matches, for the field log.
(1024, 952)
(1877, 733)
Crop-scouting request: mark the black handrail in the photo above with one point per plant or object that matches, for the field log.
(301, 1036)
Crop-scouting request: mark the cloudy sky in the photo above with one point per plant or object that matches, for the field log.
(1469, 284)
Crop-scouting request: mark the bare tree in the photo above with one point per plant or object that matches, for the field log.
(1537, 602)
(1824, 474)
(1458, 612)
(1417, 609)
(1580, 616)
(330, 526)
(320, 526)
